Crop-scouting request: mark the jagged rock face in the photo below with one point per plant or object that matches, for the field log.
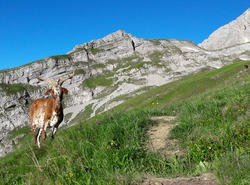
(107, 72)
(234, 33)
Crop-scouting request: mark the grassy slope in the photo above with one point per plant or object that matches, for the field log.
(212, 108)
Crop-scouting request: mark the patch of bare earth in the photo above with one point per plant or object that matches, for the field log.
(206, 179)
(160, 142)
(159, 137)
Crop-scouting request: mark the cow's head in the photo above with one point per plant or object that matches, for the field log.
(56, 89)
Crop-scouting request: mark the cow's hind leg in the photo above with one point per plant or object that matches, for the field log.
(44, 131)
(38, 137)
(34, 132)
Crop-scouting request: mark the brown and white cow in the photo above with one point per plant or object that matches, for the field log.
(48, 112)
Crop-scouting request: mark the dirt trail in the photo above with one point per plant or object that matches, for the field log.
(159, 141)
(206, 179)
(159, 137)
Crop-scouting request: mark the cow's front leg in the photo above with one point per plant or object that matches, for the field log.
(54, 129)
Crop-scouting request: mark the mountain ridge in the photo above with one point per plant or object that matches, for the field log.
(233, 33)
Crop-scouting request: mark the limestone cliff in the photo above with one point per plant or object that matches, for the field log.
(235, 33)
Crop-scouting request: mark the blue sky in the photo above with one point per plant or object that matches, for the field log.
(34, 29)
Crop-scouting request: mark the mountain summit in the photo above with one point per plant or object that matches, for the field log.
(234, 33)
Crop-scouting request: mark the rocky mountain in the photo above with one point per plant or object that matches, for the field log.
(234, 33)
(107, 72)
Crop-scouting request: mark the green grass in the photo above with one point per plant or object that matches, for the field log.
(93, 82)
(128, 63)
(137, 65)
(94, 51)
(99, 65)
(212, 110)
(215, 127)
(80, 71)
(17, 131)
(61, 57)
(11, 89)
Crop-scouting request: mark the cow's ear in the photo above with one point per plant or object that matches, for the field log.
(48, 92)
(65, 91)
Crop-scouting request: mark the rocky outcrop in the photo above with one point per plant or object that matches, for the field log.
(107, 72)
(235, 33)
